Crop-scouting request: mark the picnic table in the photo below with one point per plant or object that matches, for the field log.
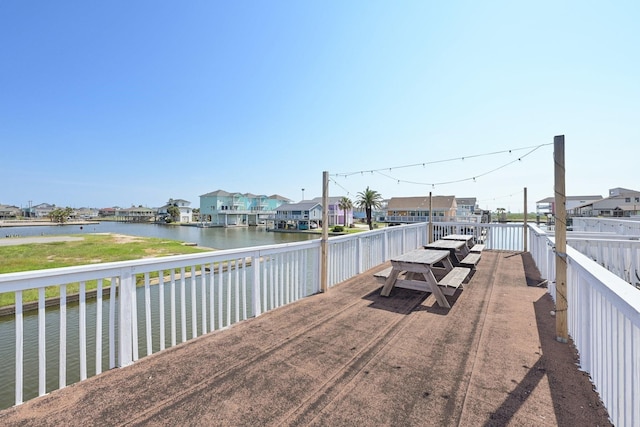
(417, 267)
(469, 238)
(457, 248)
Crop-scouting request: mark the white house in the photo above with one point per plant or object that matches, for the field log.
(186, 212)
(621, 202)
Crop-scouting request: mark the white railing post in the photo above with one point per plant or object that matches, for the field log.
(385, 245)
(125, 321)
(19, 348)
(257, 280)
(359, 254)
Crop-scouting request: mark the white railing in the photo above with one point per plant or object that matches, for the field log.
(123, 316)
(603, 316)
(619, 226)
(621, 257)
(109, 315)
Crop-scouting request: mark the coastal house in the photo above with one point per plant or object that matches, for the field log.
(547, 206)
(621, 203)
(298, 216)
(42, 210)
(9, 212)
(336, 215)
(221, 208)
(466, 206)
(108, 212)
(184, 207)
(136, 214)
(85, 213)
(405, 210)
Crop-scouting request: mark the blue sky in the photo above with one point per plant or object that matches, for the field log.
(121, 103)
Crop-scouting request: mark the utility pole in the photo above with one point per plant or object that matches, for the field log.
(562, 331)
(324, 241)
(430, 236)
(525, 234)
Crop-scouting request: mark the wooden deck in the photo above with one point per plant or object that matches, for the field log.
(351, 357)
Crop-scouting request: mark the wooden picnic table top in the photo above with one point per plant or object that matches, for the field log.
(465, 237)
(446, 244)
(421, 256)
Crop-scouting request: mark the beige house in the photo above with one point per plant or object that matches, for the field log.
(403, 210)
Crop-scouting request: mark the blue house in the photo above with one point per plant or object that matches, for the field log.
(222, 209)
(298, 216)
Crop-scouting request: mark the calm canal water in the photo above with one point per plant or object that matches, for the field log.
(218, 238)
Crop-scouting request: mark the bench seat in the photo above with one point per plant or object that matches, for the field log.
(471, 260)
(477, 248)
(382, 276)
(453, 280)
(448, 284)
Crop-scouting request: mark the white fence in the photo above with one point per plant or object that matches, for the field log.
(623, 227)
(621, 257)
(109, 315)
(604, 323)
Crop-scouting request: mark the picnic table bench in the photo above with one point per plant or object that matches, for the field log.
(477, 248)
(417, 274)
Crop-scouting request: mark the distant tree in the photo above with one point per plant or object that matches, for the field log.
(369, 200)
(60, 215)
(174, 213)
(345, 204)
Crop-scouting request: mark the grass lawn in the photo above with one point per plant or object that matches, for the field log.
(94, 248)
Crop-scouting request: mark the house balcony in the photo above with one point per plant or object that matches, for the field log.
(349, 356)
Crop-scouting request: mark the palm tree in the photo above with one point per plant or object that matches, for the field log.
(368, 200)
(345, 204)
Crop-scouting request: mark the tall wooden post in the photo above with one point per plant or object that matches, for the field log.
(324, 241)
(525, 234)
(430, 237)
(562, 330)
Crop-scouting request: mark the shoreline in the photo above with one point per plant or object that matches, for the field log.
(33, 223)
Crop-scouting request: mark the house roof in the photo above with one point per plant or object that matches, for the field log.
(332, 200)
(619, 191)
(572, 198)
(437, 202)
(466, 201)
(218, 193)
(611, 203)
(222, 193)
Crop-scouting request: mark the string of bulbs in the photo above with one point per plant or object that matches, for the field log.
(473, 178)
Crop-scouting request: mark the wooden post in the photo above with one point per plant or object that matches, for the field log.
(524, 231)
(430, 221)
(562, 331)
(324, 241)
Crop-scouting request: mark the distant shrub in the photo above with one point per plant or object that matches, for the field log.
(338, 228)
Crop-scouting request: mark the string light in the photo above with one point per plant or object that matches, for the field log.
(433, 184)
(344, 174)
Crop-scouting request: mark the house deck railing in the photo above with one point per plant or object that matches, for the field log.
(603, 316)
(127, 310)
